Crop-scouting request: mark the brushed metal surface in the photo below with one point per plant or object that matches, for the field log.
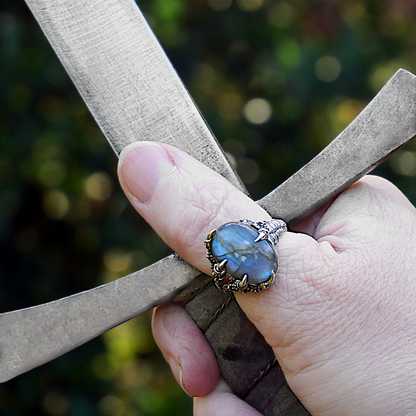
(386, 123)
(134, 94)
(33, 336)
(125, 78)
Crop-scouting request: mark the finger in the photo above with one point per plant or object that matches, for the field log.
(182, 199)
(185, 349)
(222, 402)
(190, 356)
(360, 217)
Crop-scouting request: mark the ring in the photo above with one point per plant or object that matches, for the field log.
(242, 254)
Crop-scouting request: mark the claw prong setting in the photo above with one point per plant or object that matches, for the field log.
(227, 276)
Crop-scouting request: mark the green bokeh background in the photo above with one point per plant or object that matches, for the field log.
(276, 81)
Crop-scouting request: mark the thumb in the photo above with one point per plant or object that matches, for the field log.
(183, 201)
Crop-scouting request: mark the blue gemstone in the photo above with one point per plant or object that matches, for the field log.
(235, 242)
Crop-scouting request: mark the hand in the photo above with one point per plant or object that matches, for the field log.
(341, 316)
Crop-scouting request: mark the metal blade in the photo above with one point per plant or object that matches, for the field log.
(33, 336)
(134, 93)
(125, 78)
(388, 122)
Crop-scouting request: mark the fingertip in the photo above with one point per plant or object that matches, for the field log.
(142, 166)
(222, 402)
(185, 348)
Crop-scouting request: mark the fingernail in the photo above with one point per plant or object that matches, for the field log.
(142, 165)
(176, 369)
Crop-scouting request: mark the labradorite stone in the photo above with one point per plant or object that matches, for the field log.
(235, 242)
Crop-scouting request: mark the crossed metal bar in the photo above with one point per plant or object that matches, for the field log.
(134, 93)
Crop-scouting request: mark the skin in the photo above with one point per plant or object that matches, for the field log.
(341, 315)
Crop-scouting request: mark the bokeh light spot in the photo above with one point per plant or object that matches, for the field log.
(393, 24)
(257, 111)
(111, 406)
(249, 5)
(136, 375)
(99, 186)
(206, 78)
(404, 163)
(126, 341)
(7, 24)
(281, 15)
(169, 9)
(235, 147)
(55, 403)
(47, 148)
(327, 68)
(103, 367)
(219, 5)
(344, 113)
(55, 204)
(381, 74)
(248, 170)
(117, 259)
(355, 14)
(230, 105)
(289, 54)
(51, 173)
(379, 77)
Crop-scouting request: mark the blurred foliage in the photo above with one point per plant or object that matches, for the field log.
(276, 81)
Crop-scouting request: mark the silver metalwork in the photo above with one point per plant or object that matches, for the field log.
(134, 94)
(270, 231)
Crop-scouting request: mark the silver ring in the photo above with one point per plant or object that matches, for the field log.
(242, 254)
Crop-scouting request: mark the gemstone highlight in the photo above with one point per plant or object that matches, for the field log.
(235, 243)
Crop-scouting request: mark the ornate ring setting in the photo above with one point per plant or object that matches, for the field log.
(242, 254)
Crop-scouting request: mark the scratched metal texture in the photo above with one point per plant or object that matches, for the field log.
(125, 78)
(33, 336)
(385, 124)
(134, 94)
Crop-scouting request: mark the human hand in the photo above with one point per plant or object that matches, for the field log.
(341, 315)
